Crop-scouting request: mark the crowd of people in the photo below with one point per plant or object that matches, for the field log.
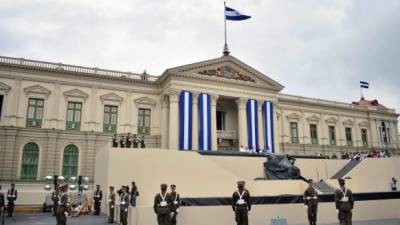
(356, 156)
(128, 141)
(257, 150)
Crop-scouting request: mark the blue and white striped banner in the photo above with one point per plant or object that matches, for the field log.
(185, 135)
(252, 124)
(205, 122)
(268, 113)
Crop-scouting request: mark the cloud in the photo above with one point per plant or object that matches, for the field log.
(315, 48)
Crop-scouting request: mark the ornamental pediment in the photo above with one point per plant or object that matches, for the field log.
(294, 116)
(75, 93)
(145, 101)
(111, 97)
(332, 120)
(314, 118)
(37, 89)
(363, 123)
(4, 87)
(348, 122)
(225, 69)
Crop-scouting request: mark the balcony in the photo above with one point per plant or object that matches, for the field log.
(226, 134)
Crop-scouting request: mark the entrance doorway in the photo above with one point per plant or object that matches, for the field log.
(227, 125)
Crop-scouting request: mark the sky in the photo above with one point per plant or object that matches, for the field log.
(315, 48)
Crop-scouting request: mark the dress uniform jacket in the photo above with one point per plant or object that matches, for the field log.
(241, 205)
(311, 201)
(345, 204)
(162, 207)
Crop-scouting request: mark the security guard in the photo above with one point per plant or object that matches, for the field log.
(162, 206)
(122, 142)
(111, 205)
(128, 140)
(97, 197)
(124, 205)
(115, 141)
(55, 198)
(2, 203)
(311, 202)
(176, 203)
(344, 203)
(12, 195)
(135, 141)
(241, 204)
(62, 210)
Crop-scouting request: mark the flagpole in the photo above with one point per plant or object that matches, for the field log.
(362, 96)
(226, 49)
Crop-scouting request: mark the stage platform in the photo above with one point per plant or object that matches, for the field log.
(206, 183)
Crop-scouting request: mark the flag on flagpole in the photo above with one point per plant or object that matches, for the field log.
(231, 14)
(364, 84)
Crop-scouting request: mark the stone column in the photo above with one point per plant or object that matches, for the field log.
(214, 141)
(195, 117)
(56, 106)
(242, 120)
(128, 112)
(49, 157)
(92, 112)
(173, 119)
(260, 125)
(16, 93)
(87, 163)
(164, 122)
(8, 169)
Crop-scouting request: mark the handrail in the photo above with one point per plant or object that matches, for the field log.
(59, 67)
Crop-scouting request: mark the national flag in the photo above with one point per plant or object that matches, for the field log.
(231, 14)
(364, 84)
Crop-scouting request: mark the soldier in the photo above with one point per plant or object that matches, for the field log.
(162, 206)
(111, 205)
(12, 195)
(241, 204)
(128, 141)
(135, 141)
(142, 144)
(122, 142)
(2, 204)
(344, 203)
(176, 203)
(97, 197)
(115, 141)
(55, 197)
(311, 202)
(124, 205)
(62, 210)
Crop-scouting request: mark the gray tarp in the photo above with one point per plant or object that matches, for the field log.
(281, 167)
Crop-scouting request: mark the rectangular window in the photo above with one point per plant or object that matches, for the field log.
(384, 130)
(35, 112)
(74, 111)
(110, 119)
(294, 133)
(332, 135)
(364, 137)
(349, 138)
(314, 134)
(144, 116)
(221, 120)
(1, 105)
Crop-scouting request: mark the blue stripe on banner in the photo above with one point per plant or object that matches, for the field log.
(205, 122)
(238, 18)
(252, 120)
(363, 82)
(268, 113)
(185, 137)
(364, 86)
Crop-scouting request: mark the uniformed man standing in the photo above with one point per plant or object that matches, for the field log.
(115, 141)
(124, 205)
(241, 204)
(12, 195)
(135, 141)
(128, 141)
(344, 203)
(55, 197)
(122, 142)
(97, 197)
(311, 202)
(176, 204)
(162, 206)
(111, 205)
(62, 210)
(142, 144)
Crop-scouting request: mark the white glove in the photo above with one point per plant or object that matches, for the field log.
(337, 210)
(306, 206)
(172, 214)
(66, 213)
(248, 213)
(126, 210)
(178, 209)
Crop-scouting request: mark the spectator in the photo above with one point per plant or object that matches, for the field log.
(241, 149)
(393, 184)
(134, 194)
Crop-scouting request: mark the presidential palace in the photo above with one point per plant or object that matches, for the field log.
(55, 117)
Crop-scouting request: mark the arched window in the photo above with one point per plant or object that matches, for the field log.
(70, 161)
(30, 161)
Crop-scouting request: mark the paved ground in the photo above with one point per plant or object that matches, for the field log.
(46, 219)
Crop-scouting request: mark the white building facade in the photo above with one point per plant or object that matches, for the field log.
(54, 117)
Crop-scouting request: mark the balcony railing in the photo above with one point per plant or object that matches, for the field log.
(226, 134)
(59, 67)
